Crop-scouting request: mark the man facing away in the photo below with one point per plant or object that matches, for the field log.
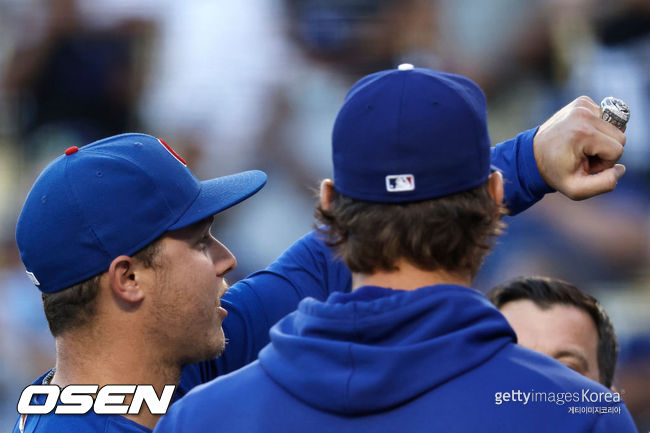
(413, 209)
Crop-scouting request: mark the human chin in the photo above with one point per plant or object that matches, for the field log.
(217, 346)
(216, 342)
(212, 347)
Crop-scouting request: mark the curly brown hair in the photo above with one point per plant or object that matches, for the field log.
(452, 233)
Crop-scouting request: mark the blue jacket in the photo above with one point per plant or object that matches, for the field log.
(378, 360)
(307, 268)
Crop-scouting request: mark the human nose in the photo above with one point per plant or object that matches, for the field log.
(224, 260)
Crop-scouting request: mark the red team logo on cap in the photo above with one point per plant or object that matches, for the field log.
(170, 150)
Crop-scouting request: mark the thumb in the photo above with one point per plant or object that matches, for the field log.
(593, 184)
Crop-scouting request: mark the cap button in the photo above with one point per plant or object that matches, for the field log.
(71, 150)
(405, 67)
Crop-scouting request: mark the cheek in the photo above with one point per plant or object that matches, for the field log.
(195, 278)
(201, 269)
(191, 288)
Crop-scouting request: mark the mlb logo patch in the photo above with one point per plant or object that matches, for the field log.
(400, 182)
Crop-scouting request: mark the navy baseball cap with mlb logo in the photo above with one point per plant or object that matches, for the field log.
(411, 134)
(114, 197)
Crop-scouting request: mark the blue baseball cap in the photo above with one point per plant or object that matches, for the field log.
(114, 197)
(411, 134)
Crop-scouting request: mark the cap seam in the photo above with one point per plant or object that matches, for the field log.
(169, 208)
(182, 214)
(73, 193)
(102, 141)
(400, 110)
(475, 120)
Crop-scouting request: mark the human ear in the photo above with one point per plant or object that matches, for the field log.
(495, 187)
(124, 279)
(326, 193)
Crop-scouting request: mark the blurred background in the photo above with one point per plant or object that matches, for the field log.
(257, 84)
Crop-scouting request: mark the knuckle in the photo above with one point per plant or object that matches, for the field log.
(584, 101)
(619, 150)
(583, 130)
(581, 117)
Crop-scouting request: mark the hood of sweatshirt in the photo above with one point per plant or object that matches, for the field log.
(376, 348)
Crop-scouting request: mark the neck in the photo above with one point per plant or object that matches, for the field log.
(90, 356)
(408, 277)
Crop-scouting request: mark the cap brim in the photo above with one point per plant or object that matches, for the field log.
(221, 193)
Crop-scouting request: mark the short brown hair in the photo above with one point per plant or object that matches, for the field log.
(546, 292)
(453, 233)
(76, 305)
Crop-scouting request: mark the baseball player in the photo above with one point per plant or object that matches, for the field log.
(116, 237)
(413, 208)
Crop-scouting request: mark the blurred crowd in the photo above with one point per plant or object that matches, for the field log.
(256, 85)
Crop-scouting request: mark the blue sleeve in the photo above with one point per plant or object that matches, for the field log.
(308, 268)
(524, 185)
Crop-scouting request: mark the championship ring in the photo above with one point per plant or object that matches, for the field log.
(615, 111)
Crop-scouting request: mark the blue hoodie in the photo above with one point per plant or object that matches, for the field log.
(439, 358)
